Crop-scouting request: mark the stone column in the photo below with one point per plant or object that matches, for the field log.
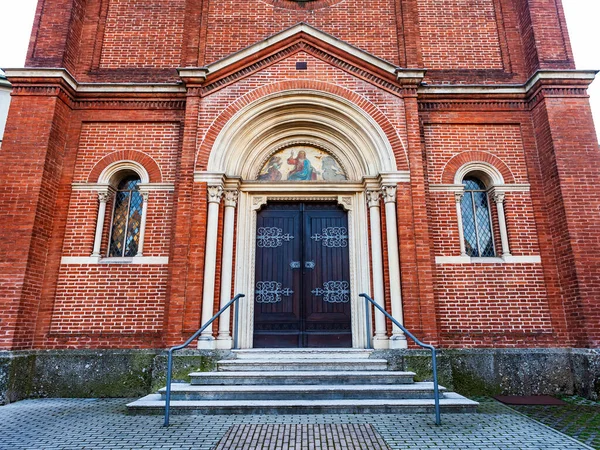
(103, 198)
(499, 199)
(224, 340)
(380, 339)
(206, 341)
(458, 196)
(398, 339)
(145, 196)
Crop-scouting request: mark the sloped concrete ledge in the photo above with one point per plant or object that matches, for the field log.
(133, 373)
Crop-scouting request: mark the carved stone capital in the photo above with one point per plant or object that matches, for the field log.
(458, 196)
(373, 197)
(104, 197)
(214, 194)
(389, 193)
(145, 195)
(498, 197)
(231, 197)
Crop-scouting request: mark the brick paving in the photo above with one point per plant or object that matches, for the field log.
(349, 436)
(104, 424)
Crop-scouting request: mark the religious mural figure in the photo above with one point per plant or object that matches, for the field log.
(303, 169)
(304, 163)
(271, 172)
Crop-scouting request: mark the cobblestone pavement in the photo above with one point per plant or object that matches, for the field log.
(579, 419)
(104, 424)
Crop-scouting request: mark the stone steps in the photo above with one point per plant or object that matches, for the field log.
(184, 391)
(306, 377)
(300, 364)
(451, 402)
(301, 381)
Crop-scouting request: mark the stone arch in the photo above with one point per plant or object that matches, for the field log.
(139, 162)
(494, 169)
(361, 137)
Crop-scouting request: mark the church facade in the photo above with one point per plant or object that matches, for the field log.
(162, 156)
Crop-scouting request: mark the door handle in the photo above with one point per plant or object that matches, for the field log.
(309, 265)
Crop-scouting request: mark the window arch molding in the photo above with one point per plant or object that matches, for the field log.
(112, 174)
(493, 181)
(487, 173)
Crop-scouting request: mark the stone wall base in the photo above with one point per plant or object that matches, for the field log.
(134, 373)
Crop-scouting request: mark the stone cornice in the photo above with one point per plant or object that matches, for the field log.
(564, 77)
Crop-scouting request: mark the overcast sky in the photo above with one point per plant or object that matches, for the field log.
(582, 19)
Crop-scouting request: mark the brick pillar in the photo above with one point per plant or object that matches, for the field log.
(31, 164)
(570, 163)
(423, 248)
(57, 29)
(544, 35)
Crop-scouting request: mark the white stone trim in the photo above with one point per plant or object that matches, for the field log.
(494, 177)
(86, 260)
(540, 75)
(360, 281)
(101, 187)
(500, 188)
(318, 34)
(533, 259)
(201, 72)
(150, 187)
(353, 136)
(112, 169)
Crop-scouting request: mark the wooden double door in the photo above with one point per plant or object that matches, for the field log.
(302, 279)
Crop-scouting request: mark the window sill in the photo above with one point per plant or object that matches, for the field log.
(152, 260)
(533, 259)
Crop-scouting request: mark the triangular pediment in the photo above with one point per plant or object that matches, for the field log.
(300, 37)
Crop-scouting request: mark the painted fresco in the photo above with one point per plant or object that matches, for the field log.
(302, 163)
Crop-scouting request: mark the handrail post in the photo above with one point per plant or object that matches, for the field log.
(436, 393)
(235, 325)
(185, 344)
(368, 322)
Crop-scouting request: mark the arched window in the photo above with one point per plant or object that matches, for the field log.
(126, 219)
(477, 224)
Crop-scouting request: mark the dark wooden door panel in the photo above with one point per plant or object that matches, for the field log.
(302, 296)
(326, 286)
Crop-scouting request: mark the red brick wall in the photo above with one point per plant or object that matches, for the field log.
(459, 34)
(482, 41)
(143, 34)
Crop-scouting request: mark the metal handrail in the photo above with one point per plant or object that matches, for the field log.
(188, 342)
(436, 392)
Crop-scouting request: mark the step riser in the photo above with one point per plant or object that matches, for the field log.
(302, 354)
(352, 395)
(285, 381)
(304, 410)
(241, 366)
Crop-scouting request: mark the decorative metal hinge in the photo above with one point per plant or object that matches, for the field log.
(271, 292)
(270, 237)
(334, 292)
(309, 264)
(295, 264)
(333, 237)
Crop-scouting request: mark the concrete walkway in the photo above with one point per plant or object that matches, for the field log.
(104, 424)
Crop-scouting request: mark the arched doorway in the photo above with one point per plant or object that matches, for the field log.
(257, 155)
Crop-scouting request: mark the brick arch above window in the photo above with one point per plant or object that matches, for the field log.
(148, 164)
(458, 161)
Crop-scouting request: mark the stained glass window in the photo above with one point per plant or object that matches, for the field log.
(127, 217)
(477, 225)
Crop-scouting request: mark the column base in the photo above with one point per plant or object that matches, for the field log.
(224, 343)
(398, 341)
(381, 343)
(206, 343)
